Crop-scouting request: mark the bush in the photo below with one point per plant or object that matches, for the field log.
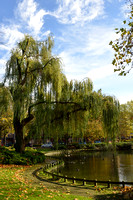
(62, 147)
(34, 157)
(102, 146)
(27, 158)
(124, 146)
(98, 146)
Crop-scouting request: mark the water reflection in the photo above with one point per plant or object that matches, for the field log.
(100, 166)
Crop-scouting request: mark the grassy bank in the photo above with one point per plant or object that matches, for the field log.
(14, 187)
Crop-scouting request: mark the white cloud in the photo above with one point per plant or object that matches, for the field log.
(89, 41)
(2, 66)
(96, 40)
(124, 98)
(125, 9)
(46, 33)
(73, 11)
(86, 52)
(11, 35)
(28, 16)
(101, 72)
(27, 10)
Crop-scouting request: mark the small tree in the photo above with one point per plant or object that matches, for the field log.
(123, 46)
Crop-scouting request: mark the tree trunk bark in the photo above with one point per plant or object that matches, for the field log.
(20, 143)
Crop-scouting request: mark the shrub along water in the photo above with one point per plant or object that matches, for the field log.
(26, 158)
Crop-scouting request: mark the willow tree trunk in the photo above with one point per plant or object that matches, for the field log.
(20, 142)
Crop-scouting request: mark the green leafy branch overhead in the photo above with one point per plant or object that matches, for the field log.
(123, 47)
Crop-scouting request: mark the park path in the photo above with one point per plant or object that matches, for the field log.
(54, 186)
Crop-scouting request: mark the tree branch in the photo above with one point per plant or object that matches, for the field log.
(68, 113)
(39, 68)
(27, 120)
(25, 77)
(19, 71)
(52, 102)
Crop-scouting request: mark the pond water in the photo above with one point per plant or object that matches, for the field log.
(99, 165)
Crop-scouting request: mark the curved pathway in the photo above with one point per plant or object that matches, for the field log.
(55, 186)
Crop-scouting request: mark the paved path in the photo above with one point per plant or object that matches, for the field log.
(75, 190)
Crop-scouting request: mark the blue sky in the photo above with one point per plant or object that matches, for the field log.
(82, 30)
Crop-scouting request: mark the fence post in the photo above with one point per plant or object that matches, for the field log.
(74, 181)
(95, 183)
(65, 178)
(84, 181)
(53, 176)
(123, 184)
(109, 184)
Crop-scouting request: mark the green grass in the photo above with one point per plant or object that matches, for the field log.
(14, 187)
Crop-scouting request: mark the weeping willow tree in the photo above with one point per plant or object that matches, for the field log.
(34, 76)
(43, 100)
(110, 118)
(6, 112)
(94, 127)
(67, 117)
(42, 97)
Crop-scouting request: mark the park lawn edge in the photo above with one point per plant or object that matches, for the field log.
(14, 187)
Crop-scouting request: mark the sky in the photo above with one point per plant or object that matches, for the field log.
(82, 30)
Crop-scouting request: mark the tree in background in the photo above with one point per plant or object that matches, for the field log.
(126, 120)
(110, 118)
(94, 129)
(69, 116)
(123, 46)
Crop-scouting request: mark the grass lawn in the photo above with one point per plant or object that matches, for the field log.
(14, 186)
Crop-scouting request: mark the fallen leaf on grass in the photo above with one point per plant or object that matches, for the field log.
(50, 196)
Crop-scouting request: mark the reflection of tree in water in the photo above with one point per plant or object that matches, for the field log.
(125, 167)
(98, 165)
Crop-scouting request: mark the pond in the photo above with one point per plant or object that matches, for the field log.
(99, 165)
